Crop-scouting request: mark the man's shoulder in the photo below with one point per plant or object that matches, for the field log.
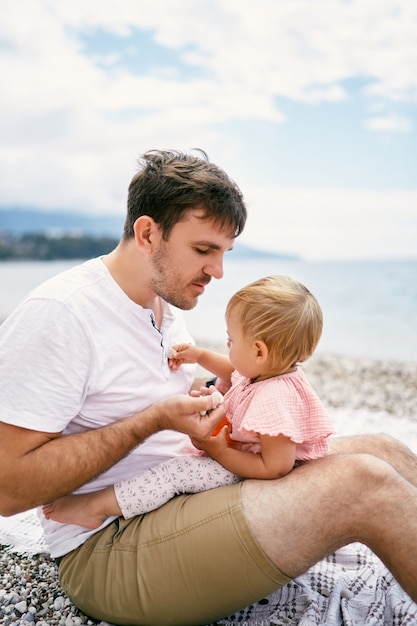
(70, 281)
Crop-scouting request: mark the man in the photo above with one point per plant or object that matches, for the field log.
(87, 397)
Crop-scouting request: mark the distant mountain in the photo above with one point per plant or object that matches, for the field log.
(28, 221)
(19, 222)
(241, 251)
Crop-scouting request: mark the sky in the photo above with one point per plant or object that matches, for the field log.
(309, 105)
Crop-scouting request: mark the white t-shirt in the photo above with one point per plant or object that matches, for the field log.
(78, 354)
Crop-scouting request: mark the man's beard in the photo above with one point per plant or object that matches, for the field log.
(166, 282)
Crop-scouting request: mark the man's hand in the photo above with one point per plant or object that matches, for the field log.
(193, 416)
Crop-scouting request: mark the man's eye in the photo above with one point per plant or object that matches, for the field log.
(202, 251)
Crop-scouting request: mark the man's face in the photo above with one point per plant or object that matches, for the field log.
(191, 257)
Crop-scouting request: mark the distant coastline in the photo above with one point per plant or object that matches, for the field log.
(30, 235)
(42, 247)
(45, 247)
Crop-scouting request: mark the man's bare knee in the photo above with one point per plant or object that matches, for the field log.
(381, 445)
(317, 508)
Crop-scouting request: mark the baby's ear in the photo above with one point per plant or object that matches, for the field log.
(261, 351)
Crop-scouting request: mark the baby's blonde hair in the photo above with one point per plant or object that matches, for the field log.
(282, 313)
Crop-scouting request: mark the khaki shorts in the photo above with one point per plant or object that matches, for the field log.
(192, 561)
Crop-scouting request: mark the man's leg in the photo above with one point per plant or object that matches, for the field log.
(328, 503)
(192, 561)
(383, 446)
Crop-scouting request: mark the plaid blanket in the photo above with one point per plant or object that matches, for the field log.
(351, 587)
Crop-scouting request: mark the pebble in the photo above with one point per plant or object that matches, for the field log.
(365, 384)
(30, 593)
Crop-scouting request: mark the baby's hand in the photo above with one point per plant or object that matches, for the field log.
(174, 361)
(217, 443)
(182, 353)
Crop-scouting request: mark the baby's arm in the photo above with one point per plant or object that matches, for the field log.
(215, 362)
(276, 458)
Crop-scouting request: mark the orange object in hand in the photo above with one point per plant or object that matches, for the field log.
(218, 428)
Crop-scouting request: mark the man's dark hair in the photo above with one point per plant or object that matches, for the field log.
(169, 183)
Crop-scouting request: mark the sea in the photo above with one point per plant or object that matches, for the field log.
(369, 307)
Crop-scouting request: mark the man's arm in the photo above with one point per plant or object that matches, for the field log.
(37, 467)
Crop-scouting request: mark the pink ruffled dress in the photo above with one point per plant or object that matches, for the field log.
(283, 405)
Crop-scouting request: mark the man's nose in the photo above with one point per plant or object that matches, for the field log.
(215, 268)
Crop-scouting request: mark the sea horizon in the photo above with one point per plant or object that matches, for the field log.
(369, 307)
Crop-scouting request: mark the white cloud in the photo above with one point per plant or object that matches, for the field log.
(391, 123)
(72, 125)
(332, 223)
(299, 50)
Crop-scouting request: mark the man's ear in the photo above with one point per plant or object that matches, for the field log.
(261, 351)
(147, 233)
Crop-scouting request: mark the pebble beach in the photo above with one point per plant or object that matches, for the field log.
(361, 396)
